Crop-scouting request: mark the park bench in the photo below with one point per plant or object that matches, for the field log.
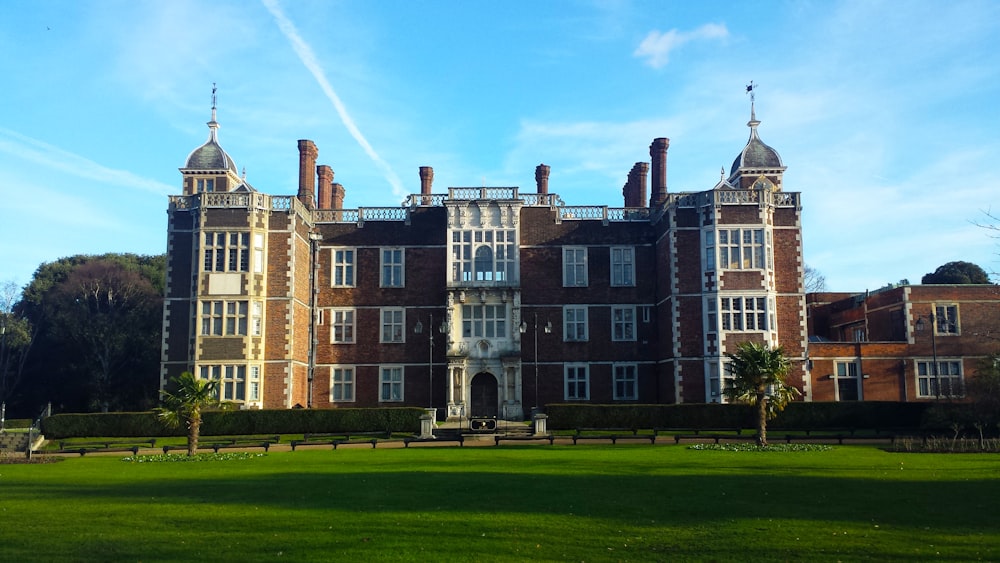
(498, 438)
(437, 440)
(218, 443)
(105, 446)
(613, 434)
(339, 439)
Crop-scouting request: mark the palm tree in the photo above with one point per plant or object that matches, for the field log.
(759, 379)
(189, 397)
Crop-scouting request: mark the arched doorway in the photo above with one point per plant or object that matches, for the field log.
(485, 396)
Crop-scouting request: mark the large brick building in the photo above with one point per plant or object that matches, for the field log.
(480, 301)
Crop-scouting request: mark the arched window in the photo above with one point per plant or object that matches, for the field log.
(484, 263)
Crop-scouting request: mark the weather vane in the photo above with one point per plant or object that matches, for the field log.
(213, 95)
(750, 90)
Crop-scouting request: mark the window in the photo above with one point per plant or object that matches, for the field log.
(391, 384)
(709, 251)
(342, 326)
(224, 318)
(254, 383)
(392, 325)
(718, 381)
(948, 373)
(231, 378)
(392, 267)
(711, 315)
(848, 386)
(343, 267)
(622, 323)
(946, 319)
(744, 313)
(226, 252)
(483, 255)
(625, 382)
(480, 321)
(257, 318)
(622, 266)
(341, 384)
(574, 324)
(574, 266)
(258, 253)
(205, 185)
(577, 382)
(741, 249)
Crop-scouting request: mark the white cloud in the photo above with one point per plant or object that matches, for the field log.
(44, 154)
(308, 58)
(657, 45)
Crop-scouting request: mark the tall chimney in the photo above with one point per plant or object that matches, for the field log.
(325, 174)
(337, 196)
(542, 178)
(641, 170)
(426, 181)
(307, 174)
(658, 152)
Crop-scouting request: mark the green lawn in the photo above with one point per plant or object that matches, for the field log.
(562, 503)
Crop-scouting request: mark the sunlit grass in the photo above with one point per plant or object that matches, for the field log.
(583, 503)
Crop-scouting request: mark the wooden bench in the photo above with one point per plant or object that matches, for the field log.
(613, 434)
(108, 446)
(216, 444)
(497, 439)
(339, 439)
(437, 439)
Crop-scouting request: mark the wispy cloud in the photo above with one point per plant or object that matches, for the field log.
(657, 45)
(308, 58)
(44, 154)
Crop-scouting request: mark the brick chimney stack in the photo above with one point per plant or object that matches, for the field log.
(337, 196)
(426, 183)
(635, 188)
(307, 175)
(325, 174)
(542, 178)
(658, 152)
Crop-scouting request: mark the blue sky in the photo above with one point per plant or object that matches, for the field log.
(886, 113)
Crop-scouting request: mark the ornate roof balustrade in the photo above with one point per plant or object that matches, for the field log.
(735, 197)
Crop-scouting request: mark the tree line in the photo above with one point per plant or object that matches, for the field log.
(83, 335)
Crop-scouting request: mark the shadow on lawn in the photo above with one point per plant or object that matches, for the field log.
(945, 506)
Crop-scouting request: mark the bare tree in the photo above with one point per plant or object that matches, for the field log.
(991, 224)
(815, 280)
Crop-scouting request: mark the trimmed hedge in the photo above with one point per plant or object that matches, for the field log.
(701, 416)
(238, 422)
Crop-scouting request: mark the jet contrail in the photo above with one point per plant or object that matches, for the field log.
(308, 58)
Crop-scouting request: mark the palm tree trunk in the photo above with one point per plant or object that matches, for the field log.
(761, 419)
(194, 427)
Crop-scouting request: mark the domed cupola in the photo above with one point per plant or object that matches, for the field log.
(756, 159)
(209, 168)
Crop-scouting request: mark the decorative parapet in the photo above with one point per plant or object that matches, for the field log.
(734, 197)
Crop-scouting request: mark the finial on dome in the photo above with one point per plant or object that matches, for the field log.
(753, 123)
(213, 125)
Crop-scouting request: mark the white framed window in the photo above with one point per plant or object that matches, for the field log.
(575, 266)
(741, 249)
(256, 318)
(622, 266)
(258, 253)
(622, 324)
(626, 382)
(946, 320)
(948, 374)
(231, 378)
(390, 384)
(393, 267)
(711, 315)
(489, 321)
(576, 382)
(224, 318)
(483, 255)
(709, 251)
(392, 325)
(847, 381)
(343, 266)
(719, 377)
(226, 251)
(254, 384)
(575, 323)
(342, 384)
(342, 326)
(743, 313)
